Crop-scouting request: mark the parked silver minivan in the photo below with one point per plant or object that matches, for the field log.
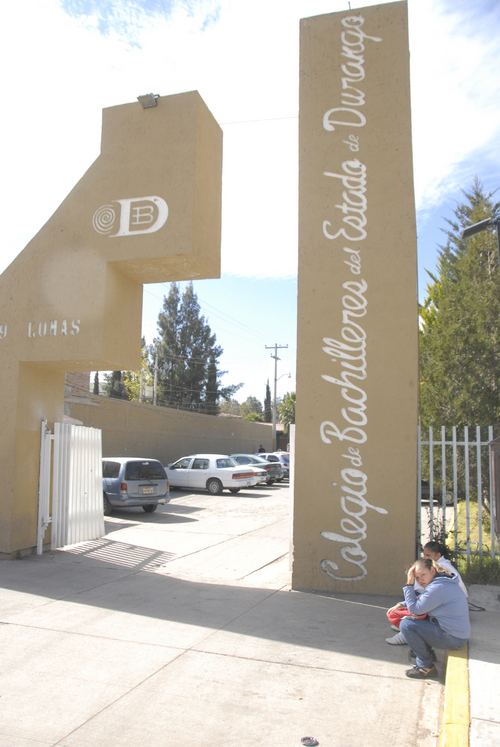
(132, 481)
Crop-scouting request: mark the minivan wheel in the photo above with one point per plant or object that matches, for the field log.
(214, 487)
(150, 508)
(108, 508)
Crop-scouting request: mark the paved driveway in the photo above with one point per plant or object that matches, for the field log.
(239, 538)
(179, 627)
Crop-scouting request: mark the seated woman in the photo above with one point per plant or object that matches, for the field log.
(438, 552)
(447, 623)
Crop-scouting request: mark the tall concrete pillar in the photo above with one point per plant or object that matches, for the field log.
(357, 369)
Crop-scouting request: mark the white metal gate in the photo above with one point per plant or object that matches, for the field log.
(70, 472)
(445, 458)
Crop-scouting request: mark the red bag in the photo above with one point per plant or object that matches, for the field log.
(395, 616)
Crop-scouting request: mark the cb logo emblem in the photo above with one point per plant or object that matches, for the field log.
(131, 216)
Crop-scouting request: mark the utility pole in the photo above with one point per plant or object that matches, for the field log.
(155, 384)
(275, 347)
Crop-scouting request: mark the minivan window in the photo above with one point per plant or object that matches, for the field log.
(111, 469)
(144, 471)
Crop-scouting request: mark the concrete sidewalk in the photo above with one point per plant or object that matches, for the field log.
(484, 667)
(179, 627)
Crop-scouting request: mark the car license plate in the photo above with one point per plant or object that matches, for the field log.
(147, 491)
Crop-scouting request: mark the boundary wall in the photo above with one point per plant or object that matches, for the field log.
(166, 434)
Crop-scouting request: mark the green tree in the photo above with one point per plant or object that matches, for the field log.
(96, 383)
(114, 386)
(460, 324)
(268, 405)
(286, 410)
(251, 409)
(231, 407)
(132, 379)
(188, 355)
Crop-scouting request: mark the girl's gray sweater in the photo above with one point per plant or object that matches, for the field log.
(443, 601)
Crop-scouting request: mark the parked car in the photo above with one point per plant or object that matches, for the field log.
(273, 469)
(425, 494)
(213, 472)
(283, 457)
(133, 481)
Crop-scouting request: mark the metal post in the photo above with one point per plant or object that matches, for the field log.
(276, 359)
(155, 385)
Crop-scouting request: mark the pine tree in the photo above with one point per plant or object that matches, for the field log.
(114, 386)
(460, 324)
(96, 383)
(188, 354)
(268, 405)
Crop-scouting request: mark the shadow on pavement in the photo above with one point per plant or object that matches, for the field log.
(117, 577)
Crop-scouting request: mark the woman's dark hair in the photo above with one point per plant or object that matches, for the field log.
(435, 546)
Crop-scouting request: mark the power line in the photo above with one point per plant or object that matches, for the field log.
(244, 327)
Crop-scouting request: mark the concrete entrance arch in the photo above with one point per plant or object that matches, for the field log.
(147, 210)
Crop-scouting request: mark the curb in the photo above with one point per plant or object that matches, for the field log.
(456, 712)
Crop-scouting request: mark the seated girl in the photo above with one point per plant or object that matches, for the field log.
(447, 623)
(438, 552)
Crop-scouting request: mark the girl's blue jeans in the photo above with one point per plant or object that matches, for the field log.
(423, 635)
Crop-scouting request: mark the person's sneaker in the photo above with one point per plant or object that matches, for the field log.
(394, 627)
(421, 673)
(412, 655)
(396, 640)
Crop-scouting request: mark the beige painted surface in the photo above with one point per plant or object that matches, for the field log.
(130, 428)
(357, 377)
(147, 210)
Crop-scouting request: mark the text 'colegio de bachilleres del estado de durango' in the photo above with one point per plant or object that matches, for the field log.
(347, 229)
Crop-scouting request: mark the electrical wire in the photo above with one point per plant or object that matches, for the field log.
(244, 327)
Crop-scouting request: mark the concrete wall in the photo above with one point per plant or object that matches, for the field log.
(357, 353)
(129, 428)
(147, 210)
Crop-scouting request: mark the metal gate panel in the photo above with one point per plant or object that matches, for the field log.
(77, 508)
(44, 518)
(476, 481)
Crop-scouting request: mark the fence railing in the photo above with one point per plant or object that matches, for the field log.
(457, 472)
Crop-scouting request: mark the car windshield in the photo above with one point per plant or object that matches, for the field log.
(226, 462)
(146, 470)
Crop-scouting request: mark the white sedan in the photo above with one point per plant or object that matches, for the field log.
(213, 472)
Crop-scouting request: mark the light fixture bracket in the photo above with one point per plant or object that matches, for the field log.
(148, 100)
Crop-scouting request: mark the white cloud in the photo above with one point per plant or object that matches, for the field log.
(455, 90)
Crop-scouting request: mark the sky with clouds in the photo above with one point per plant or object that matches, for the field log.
(65, 60)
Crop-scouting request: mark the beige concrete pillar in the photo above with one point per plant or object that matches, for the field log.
(357, 371)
